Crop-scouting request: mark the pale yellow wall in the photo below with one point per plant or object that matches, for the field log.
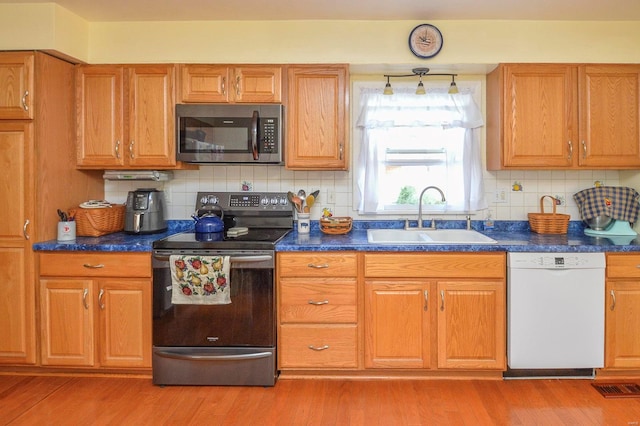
(43, 27)
(360, 43)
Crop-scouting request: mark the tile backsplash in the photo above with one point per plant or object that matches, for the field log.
(510, 194)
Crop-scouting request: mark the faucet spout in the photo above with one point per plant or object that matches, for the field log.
(433, 225)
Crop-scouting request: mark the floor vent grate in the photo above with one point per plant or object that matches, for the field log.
(618, 390)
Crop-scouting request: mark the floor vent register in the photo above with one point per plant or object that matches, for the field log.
(618, 390)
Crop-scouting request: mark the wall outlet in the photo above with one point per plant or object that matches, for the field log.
(331, 197)
(500, 196)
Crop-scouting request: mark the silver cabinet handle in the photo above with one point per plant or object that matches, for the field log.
(341, 151)
(24, 100)
(570, 151)
(321, 348)
(84, 298)
(584, 150)
(224, 85)
(118, 149)
(90, 266)
(442, 300)
(426, 300)
(613, 300)
(24, 230)
(100, 298)
(313, 265)
(323, 302)
(237, 85)
(131, 154)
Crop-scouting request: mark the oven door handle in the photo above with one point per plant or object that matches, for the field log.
(232, 259)
(175, 355)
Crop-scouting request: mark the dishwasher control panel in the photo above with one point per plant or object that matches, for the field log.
(556, 260)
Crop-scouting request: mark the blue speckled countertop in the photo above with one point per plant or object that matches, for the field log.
(118, 241)
(513, 236)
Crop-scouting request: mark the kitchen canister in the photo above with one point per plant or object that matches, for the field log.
(67, 231)
(304, 224)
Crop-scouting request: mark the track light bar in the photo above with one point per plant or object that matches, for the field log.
(420, 72)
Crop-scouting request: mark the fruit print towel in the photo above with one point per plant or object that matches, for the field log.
(202, 280)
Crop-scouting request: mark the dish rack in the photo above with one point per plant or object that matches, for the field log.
(336, 225)
(549, 223)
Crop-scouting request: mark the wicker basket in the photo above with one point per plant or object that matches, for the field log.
(549, 223)
(98, 222)
(336, 225)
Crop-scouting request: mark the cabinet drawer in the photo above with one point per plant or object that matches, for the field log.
(445, 265)
(101, 264)
(623, 265)
(317, 265)
(318, 346)
(320, 300)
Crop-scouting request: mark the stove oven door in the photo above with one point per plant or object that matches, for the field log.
(231, 344)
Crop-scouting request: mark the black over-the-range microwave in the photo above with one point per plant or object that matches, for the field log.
(236, 133)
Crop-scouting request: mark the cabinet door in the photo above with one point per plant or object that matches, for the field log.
(471, 324)
(151, 115)
(317, 118)
(67, 322)
(16, 85)
(609, 116)
(532, 116)
(397, 324)
(259, 84)
(125, 323)
(17, 290)
(99, 95)
(622, 325)
(204, 83)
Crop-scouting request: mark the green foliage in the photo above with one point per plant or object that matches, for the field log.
(407, 195)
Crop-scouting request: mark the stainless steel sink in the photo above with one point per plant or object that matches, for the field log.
(427, 236)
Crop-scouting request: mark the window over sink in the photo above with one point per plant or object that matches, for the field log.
(406, 142)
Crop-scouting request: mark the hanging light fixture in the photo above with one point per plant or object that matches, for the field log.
(387, 88)
(420, 72)
(453, 88)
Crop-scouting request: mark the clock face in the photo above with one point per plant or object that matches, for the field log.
(425, 41)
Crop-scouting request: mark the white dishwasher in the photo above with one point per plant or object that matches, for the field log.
(555, 310)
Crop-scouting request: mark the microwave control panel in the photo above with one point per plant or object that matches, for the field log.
(268, 135)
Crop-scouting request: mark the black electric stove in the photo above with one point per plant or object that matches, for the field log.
(268, 217)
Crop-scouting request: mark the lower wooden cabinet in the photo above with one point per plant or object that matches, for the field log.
(417, 316)
(101, 320)
(622, 313)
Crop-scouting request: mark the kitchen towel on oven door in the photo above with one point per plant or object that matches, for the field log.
(200, 280)
(618, 202)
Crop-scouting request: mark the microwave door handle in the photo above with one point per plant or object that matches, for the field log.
(254, 135)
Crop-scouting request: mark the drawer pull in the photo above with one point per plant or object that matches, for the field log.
(321, 348)
(323, 266)
(90, 266)
(324, 302)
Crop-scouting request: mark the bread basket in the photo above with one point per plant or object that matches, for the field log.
(336, 225)
(99, 221)
(549, 223)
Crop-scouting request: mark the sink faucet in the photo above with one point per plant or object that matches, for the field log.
(433, 222)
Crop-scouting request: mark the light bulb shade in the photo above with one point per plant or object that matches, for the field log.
(387, 89)
(453, 89)
(420, 89)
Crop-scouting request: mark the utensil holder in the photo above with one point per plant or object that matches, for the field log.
(67, 232)
(304, 224)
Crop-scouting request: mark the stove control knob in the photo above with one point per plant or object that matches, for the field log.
(274, 201)
(264, 201)
(204, 200)
(283, 201)
(213, 199)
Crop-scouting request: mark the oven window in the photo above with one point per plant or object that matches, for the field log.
(249, 320)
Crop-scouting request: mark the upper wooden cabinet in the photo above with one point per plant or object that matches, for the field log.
(317, 119)
(16, 85)
(563, 116)
(126, 116)
(223, 83)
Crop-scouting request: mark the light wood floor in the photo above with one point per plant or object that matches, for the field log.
(26, 400)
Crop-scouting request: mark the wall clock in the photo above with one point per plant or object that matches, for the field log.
(425, 41)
